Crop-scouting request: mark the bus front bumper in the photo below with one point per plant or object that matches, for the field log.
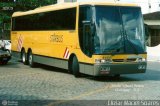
(125, 68)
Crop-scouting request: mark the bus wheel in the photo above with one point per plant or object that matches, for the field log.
(30, 59)
(75, 67)
(23, 57)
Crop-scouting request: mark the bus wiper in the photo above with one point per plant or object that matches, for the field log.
(133, 46)
(118, 47)
(113, 51)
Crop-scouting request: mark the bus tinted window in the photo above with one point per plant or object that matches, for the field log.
(54, 20)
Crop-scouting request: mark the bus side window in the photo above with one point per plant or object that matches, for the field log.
(85, 36)
(87, 40)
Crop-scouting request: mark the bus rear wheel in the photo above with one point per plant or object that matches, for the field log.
(75, 67)
(23, 57)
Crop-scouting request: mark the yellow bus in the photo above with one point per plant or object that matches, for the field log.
(97, 39)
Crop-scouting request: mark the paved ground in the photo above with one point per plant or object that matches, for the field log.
(20, 82)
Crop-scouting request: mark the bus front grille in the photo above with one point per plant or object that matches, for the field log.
(124, 60)
(118, 60)
(131, 60)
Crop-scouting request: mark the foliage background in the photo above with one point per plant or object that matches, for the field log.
(7, 9)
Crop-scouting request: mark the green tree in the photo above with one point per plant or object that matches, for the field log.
(24, 5)
(7, 8)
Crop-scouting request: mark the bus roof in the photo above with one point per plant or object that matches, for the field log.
(67, 5)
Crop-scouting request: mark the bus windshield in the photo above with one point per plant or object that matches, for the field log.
(118, 30)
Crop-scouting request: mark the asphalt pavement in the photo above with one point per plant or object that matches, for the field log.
(20, 82)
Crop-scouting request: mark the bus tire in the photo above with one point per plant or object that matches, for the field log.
(75, 67)
(23, 57)
(30, 59)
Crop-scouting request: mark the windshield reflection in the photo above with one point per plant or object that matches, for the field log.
(118, 30)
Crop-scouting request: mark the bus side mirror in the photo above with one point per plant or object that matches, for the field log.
(146, 34)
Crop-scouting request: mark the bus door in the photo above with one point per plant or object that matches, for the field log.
(88, 47)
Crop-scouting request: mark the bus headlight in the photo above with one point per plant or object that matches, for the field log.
(141, 60)
(102, 60)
